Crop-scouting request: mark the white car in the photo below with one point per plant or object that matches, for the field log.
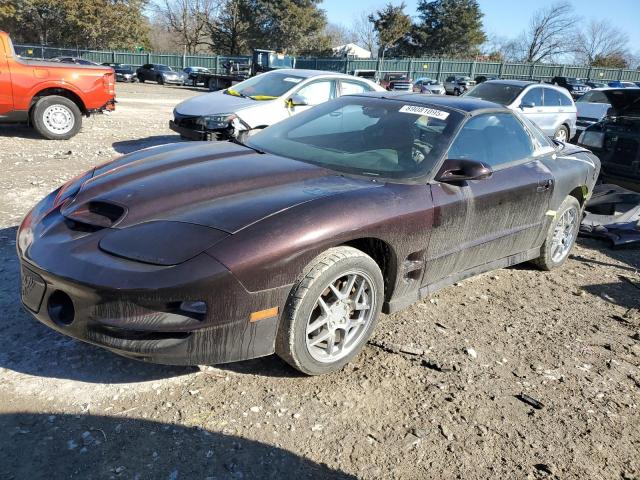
(548, 106)
(261, 101)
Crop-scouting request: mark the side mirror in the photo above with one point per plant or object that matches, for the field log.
(611, 113)
(524, 105)
(297, 100)
(453, 171)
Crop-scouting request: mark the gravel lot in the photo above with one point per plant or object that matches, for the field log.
(446, 407)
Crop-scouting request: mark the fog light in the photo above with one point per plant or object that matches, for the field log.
(197, 307)
(60, 308)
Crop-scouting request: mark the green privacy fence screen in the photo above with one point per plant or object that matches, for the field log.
(415, 67)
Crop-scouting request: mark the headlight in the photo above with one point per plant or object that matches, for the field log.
(591, 139)
(221, 120)
(155, 242)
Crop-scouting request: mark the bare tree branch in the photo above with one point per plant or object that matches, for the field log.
(600, 39)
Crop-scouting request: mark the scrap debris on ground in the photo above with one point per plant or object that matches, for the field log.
(447, 388)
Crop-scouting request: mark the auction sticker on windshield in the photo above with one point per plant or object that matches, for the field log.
(429, 112)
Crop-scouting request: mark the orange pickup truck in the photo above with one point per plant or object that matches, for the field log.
(52, 97)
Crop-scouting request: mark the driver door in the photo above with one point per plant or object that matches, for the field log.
(480, 221)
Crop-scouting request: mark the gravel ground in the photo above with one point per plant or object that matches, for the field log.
(438, 393)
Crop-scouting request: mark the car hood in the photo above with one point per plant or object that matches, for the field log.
(215, 102)
(223, 186)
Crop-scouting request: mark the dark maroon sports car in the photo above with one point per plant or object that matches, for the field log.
(199, 253)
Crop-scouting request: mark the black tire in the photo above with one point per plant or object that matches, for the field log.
(546, 260)
(291, 342)
(457, 92)
(45, 127)
(141, 80)
(160, 80)
(562, 133)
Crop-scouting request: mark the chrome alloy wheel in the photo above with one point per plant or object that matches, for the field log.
(340, 317)
(561, 135)
(564, 235)
(58, 119)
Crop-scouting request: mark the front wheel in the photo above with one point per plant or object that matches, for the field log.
(331, 311)
(160, 80)
(561, 134)
(56, 118)
(561, 235)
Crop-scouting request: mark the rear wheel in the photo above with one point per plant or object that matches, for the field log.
(561, 235)
(56, 118)
(457, 92)
(562, 134)
(331, 312)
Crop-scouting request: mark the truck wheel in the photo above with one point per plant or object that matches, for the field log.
(212, 84)
(141, 80)
(160, 80)
(561, 235)
(331, 311)
(56, 118)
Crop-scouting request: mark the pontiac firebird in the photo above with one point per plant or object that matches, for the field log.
(294, 243)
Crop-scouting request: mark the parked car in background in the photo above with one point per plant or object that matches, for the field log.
(162, 74)
(551, 108)
(192, 74)
(615, 139)
(260, 101)
(637, 84)
(575, 86)
(428, 85)
(396, 81)
(484, 78)
(592, 107)
(368, 74)
(124, 73)
(621, 84)
(74, 60)
(596, 84)
(51, 96)
(457, 85)
(198, 254)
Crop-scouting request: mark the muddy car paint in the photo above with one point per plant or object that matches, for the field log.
(267, 217)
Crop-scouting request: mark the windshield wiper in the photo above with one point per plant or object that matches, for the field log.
(238, 142)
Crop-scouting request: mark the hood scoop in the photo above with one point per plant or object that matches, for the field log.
(94, 215)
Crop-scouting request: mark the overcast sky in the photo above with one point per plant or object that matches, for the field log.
(507, 18)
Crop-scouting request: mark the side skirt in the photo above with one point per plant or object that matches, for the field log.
(403, 302)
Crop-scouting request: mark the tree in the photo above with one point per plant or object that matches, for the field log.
(230, 32)
(189, 20)
(613, 60)
(294, 26)
(549, 34)
(390, 24)
(447, 27)
(600, 40)
(364, 33)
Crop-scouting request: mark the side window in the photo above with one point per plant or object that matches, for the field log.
(595, 97)
(533, 97)
(318, 92)
(552, 98)
(348, 88)
(449, 79)
(496, 139)
(565, 100)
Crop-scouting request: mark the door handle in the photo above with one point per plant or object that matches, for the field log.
(544, 185)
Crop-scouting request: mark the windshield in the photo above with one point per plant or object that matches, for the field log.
(428, 81)
(365, 136)
(501, 93)
(625, 102)
(266, 86)
(164, 68)
(574, 81)
(464, 79)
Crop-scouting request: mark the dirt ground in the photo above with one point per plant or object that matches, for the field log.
(569, 339)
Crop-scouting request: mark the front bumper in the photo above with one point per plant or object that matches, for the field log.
(197, 132)
(134, 309)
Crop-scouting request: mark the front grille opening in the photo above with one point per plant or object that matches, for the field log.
(111, 211)
(80, 226)
(60, 308)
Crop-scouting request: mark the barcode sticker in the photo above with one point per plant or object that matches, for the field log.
(428, 112)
